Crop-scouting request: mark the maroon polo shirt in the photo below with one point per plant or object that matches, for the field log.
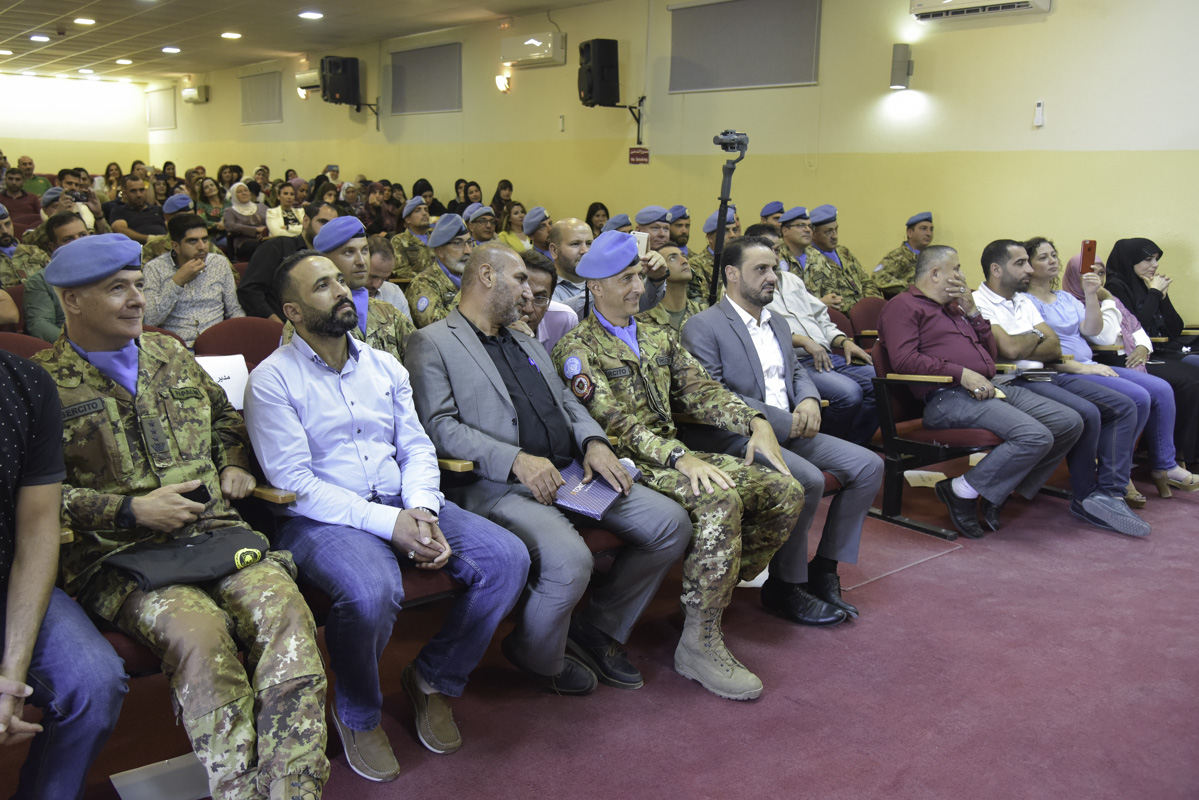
(923, 337)
(25, 210)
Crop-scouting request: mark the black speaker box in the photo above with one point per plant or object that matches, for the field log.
(339, 80)
(599, 73)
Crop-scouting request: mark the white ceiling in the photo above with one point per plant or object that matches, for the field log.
(139, 29)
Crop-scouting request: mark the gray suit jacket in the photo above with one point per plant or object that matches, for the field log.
(719, 339)
(463, 402)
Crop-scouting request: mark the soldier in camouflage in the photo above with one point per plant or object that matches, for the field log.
(675, 307)
(629, 376)
(433, 294)
(144, 424)
(796, 231)
(701, 262)
(381, 325)
(833, 273)
(411, 246)
(898, 268)
(17, 261)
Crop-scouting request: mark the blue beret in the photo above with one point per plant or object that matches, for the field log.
(176, 203)
(710, 222)
(823, 215)
(771, 208)
(412, 205)
(652, 214)
(923, 216)
(92, 258)
(448, 226)
(3, 212)
(479, 213)
(611, 253)
(52, 194)
(332, 168)
(678, 212)
(619, 221)
(533, 219)
(472, 208)
(799, 212)
(337, 232)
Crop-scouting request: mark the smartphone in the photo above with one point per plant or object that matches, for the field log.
(198, 495)
(1088, 256)
(642, 243)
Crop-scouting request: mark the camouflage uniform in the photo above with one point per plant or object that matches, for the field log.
(431, 296)
(412, 255)
(848, 280)
(660, 316)
(38, 237)
(180, 426)
(701, 275)
(155, 246)
(26, 260)
(737, 531)
(793, 264)
(387, 328)
(895, 271)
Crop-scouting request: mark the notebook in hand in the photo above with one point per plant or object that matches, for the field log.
(592, 499)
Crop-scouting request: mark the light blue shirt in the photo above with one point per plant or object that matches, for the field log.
(455, 279)
(337, 439)
(119, 366)
(1065, 316)
(831, 255)
(627, 334)
(362, 299)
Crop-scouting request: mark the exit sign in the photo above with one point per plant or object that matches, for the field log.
(638, 155)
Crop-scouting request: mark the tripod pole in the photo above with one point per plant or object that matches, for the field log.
(726, 188)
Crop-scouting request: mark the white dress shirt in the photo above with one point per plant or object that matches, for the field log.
(390, 293)
(804, 314)
(1015, 316)
(770, 355)
(338, 439)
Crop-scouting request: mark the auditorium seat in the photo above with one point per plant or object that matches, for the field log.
(841, 321)
(252, 337)
(17, 293)
(165, 332)
(21, 344)
(864, 318)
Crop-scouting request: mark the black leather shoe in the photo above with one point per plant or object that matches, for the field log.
(791, 601)
(604, 656)
(827, 587)
(990, 512)
(963, 512)
(575, 678)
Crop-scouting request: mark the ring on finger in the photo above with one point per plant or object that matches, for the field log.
(412, 555)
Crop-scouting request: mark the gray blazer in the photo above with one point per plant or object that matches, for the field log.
(719, 339)
(464, 405)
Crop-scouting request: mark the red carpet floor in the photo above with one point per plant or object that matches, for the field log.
(1049, 660)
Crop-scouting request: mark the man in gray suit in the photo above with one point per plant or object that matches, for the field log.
(748, 349)
(491, 394)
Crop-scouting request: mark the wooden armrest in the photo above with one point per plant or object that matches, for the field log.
(1107, 348)
(272, 495)
(66, 536)
(1190, 331)
(1005, 367)
(1159, 339)
(455, 464)
(1067, 357)
(400, 281)
(824, 404)
(895, 376)
(868, 333)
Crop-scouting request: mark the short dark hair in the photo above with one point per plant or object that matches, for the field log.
(62, 173)
(378, 246)
(283, 285)
(997, 253)
(538, 261)
(180, 224)
(314, 208)
(734, 252)
(126, 178)
(764, 229)
(57, 221)
(930, 257)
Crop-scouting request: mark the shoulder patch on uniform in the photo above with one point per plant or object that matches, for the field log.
(878, 268)
(79, 409)
(187, 392)
(572, 367)
(618, 372)
(583, 388)
(422, 303)
(662, 361)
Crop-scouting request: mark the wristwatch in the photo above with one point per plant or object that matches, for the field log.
(125, 518)
(428, 511)
(1039, 334)
(674, 456)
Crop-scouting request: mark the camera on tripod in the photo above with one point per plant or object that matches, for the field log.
(731, 141)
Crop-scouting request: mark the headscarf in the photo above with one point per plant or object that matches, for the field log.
(380, 217)
(296, 183)
(1072, 283)
(1126, 254)
(245, 209)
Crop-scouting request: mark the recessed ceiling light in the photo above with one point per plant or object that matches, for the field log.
(170, 49)
(124, 61)
(126, 80)
(93, 77)
(29, 74)
(85, 21)
(312, 15)
(5, 52)
(230, 35)
(86, 71)
(39, 38)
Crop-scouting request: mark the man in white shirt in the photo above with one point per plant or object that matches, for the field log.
(745, 347)
(333, 420)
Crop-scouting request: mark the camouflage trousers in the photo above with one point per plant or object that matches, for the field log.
(737, 531)
(250, 725)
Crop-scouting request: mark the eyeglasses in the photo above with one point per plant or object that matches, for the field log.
(540, 301)
(459, 242)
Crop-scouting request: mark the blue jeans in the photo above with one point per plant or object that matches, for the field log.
(361, 573)
(80, 683)
(852, 414)
(1155, 411)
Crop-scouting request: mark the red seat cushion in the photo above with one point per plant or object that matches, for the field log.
(139, 659)
(951, 437)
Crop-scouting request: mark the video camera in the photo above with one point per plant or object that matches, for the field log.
(731, 141)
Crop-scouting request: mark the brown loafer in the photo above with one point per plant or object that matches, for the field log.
(368, 752)
(435, 725)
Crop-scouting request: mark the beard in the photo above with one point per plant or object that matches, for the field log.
(759, 297)
(458, 267)
(330, 324)
(7, 240)
(504, 306)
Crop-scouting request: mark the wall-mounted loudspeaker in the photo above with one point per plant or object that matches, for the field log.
(339, 80)
(599, 73)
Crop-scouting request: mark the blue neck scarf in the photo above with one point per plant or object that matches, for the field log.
(627, 334)
(119, 366)
(362, 300)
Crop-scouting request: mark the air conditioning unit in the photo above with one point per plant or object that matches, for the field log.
(534, 50)
(951, 10)
(195, 94)
(308, 81)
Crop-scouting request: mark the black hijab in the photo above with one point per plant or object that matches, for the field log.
(1126, 254)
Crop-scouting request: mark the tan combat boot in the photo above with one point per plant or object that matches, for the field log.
(702, 656)
(295, 787)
